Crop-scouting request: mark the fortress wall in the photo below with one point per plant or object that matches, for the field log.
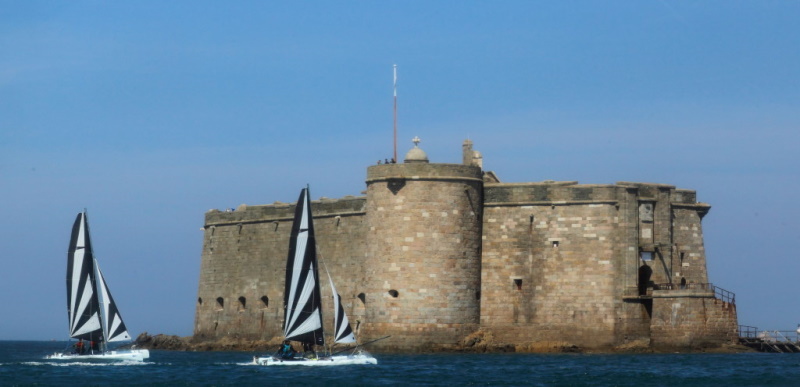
(690, 260)
(244, 256)
(423, 243)
(432, 253)
(241, 261)
(550, 264)
(634, 314)
(692, 319)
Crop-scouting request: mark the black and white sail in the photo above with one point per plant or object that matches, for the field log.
(302, 301)
(343, 333)
(93, 315)
(113, 327)
(82, 304)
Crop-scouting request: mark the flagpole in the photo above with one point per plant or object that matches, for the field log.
(395, 113)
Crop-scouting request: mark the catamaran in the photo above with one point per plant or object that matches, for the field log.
(94, 319)
(303, 304)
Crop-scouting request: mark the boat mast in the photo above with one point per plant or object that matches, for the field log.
(100, 313)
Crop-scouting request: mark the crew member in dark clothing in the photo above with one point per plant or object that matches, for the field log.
(286, 351)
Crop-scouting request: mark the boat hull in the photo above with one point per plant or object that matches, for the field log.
(325, 361)
(124, 355)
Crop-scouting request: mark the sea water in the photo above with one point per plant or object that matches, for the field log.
(23, 363)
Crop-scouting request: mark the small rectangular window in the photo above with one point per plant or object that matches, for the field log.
(647, 256)
(518, 283)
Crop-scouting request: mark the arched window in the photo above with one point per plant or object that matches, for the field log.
(220, 303)
(242, 303)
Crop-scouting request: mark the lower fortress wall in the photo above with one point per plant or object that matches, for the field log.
(692, 319)
(439, 257)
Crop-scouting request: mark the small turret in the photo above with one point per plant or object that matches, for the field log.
(470, 156)
(416, 155)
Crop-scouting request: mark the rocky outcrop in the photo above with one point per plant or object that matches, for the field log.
(477, 342)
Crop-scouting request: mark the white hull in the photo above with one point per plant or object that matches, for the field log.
(326, 361)
(129, 355)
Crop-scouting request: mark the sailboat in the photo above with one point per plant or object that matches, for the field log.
(303, 304)
(94, 319)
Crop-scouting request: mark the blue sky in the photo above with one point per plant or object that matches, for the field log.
(150, 113)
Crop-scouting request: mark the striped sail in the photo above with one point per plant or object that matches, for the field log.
(93, 315)
(82, 306)
(302, 302)
(113, 327)
(342, 331)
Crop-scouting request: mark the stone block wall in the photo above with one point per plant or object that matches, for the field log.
(432, 253)
(423, 243)
(243, 266)
(549, 266)
(689, 252)
(692, 318)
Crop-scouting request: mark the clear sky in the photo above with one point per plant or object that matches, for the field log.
(150, 113)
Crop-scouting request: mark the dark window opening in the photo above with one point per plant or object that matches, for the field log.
(220, 302)
(555, 243)
(242, 303)
(199, 301)
(393, 293)
(644, 279)
(363, 298)
(518, 283)
(265, 301)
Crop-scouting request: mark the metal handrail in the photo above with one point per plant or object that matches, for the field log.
(749, 332)
(720, 293)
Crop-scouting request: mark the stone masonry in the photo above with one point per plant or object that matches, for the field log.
(436, 252)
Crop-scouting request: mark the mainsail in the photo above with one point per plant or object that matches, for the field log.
(93, 315)
(302, 301)
(82, 305)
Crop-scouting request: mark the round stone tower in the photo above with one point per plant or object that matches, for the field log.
(423, 251)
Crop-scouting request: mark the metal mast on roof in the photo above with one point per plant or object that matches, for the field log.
(395, 113)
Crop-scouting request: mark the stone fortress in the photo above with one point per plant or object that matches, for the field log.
(445, 256)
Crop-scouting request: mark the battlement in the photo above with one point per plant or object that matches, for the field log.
(427, 171)
(323, 208)
(570, 193)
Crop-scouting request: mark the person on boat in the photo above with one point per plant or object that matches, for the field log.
(93, 345)
(79, 347)
(286, 351)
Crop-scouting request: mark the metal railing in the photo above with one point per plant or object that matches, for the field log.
(770, 341)
(746, 331)
(724, 295)
(720, 293)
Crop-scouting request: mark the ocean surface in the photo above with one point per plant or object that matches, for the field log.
(22, 363)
